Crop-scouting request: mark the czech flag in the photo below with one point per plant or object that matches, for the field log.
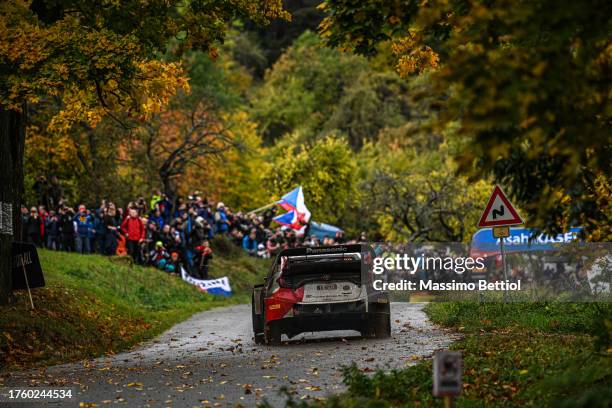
(293, 201)
(290, 219)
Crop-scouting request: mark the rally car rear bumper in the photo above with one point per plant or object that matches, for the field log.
(331, 316)
(292, 326)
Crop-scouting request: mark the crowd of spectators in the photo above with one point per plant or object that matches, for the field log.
(167, 234)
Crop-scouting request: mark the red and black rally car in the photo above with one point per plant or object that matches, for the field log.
(320, 289)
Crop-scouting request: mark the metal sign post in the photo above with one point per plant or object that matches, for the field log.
(501, 233)
(503, 256)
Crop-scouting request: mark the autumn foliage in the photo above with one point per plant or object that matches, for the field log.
(527, 84)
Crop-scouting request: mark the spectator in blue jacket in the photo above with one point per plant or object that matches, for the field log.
(52, 231)
(99, 230)
(157, 218)
(249, 243)
(84, 226)
(222, 223)
(165, 207)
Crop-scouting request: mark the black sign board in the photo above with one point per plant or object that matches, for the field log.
(447, 373)
(25, 255)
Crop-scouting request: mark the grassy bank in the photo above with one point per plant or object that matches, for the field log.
(555, 354)
(93, 305)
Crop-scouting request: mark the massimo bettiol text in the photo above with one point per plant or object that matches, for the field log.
(402, 264)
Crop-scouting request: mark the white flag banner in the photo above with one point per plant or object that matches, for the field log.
(220, 286)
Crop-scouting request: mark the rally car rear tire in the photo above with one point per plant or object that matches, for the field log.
(258, 325)
(274, 335)
(382, 327)
(260, 338)
(377, 328)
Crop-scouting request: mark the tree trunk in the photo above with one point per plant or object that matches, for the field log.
(168, 185)
(12, 142)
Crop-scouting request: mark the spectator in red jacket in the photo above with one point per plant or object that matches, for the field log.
(134, 231)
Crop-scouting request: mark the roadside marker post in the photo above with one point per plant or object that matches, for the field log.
(500, 214)
(447, 373)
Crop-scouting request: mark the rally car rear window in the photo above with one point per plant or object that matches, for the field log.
(298, 270)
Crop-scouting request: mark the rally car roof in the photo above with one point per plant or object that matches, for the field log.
(322, 250)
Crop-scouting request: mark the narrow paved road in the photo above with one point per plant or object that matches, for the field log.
(211, 360)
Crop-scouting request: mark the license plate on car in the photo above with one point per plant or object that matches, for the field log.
(328, 286)
(326, 292)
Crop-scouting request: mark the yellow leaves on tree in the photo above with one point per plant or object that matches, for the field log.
(94, 71)
(49, 153)
(265, 11)
(413, 56)
(159, 81)
(78, 106)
